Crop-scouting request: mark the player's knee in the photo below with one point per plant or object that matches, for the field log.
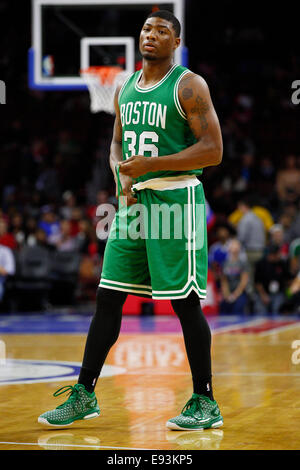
(110, 298)
(181, 306)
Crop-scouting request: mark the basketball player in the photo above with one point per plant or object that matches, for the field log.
(166, 131)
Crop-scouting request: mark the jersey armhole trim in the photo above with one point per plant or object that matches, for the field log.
(122, 87)
(176, 97)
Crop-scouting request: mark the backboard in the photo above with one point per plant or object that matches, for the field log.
(71, 35)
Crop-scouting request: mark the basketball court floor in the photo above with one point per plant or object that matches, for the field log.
(146, 380)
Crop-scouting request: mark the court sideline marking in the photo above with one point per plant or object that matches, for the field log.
(279, 329)
(238, 326)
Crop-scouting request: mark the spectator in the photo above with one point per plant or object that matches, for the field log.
(102, 198)
(261, 212)
(6, 238)
(84, 236)
(251, 234)
(286, 221)
(210, 217)
(68, 205)
(271, 276)
(277, 237)
(288, 181)
(64, 240)
(30, 229)
(247, 172)
(40, 238)
(264, 215)
(49, 223)
(17, 229)
(7, 267)
(218, 251)
(234, 280)
(76, 216)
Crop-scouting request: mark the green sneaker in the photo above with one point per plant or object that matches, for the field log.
(80, 405)
(199, 413)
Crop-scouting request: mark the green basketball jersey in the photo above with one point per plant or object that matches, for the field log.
(153, 121)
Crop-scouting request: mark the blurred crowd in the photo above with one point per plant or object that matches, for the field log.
(254, 251)
(256, 263)
(54, 173)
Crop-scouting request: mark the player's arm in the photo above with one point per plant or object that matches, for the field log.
(196, 102)
(116, 156)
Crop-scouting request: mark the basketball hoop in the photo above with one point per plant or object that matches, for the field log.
(102, 82)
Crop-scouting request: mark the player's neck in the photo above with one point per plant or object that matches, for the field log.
(154, 71)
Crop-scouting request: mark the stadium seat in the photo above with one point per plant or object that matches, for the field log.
(64, 275)
(31, 284)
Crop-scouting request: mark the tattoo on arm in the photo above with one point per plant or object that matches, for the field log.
(184, 87)
(198, 113)
(200, 110)
(187, 93)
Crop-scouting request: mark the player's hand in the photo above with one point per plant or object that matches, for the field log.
(135, 166)
(126, 184)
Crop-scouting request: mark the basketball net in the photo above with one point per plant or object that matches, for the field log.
(102, 82)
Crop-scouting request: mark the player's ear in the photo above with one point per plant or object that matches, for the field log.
(177, 42)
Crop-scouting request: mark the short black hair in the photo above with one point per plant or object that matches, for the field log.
(167, 15)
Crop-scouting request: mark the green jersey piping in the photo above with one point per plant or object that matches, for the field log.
(153, 87)
(176, 97)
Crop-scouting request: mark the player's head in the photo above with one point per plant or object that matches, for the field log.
(168, 16)
(160, 35)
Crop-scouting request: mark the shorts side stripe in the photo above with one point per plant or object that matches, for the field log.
(189, 234)
(178, 296)
(194, 233)
(132, 291)
(126, 284)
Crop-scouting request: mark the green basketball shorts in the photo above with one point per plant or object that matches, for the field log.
(158, 247)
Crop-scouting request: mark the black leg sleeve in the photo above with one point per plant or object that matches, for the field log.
(197, 339)
(103, 333)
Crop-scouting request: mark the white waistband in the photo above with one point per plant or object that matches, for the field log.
(170, 182)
